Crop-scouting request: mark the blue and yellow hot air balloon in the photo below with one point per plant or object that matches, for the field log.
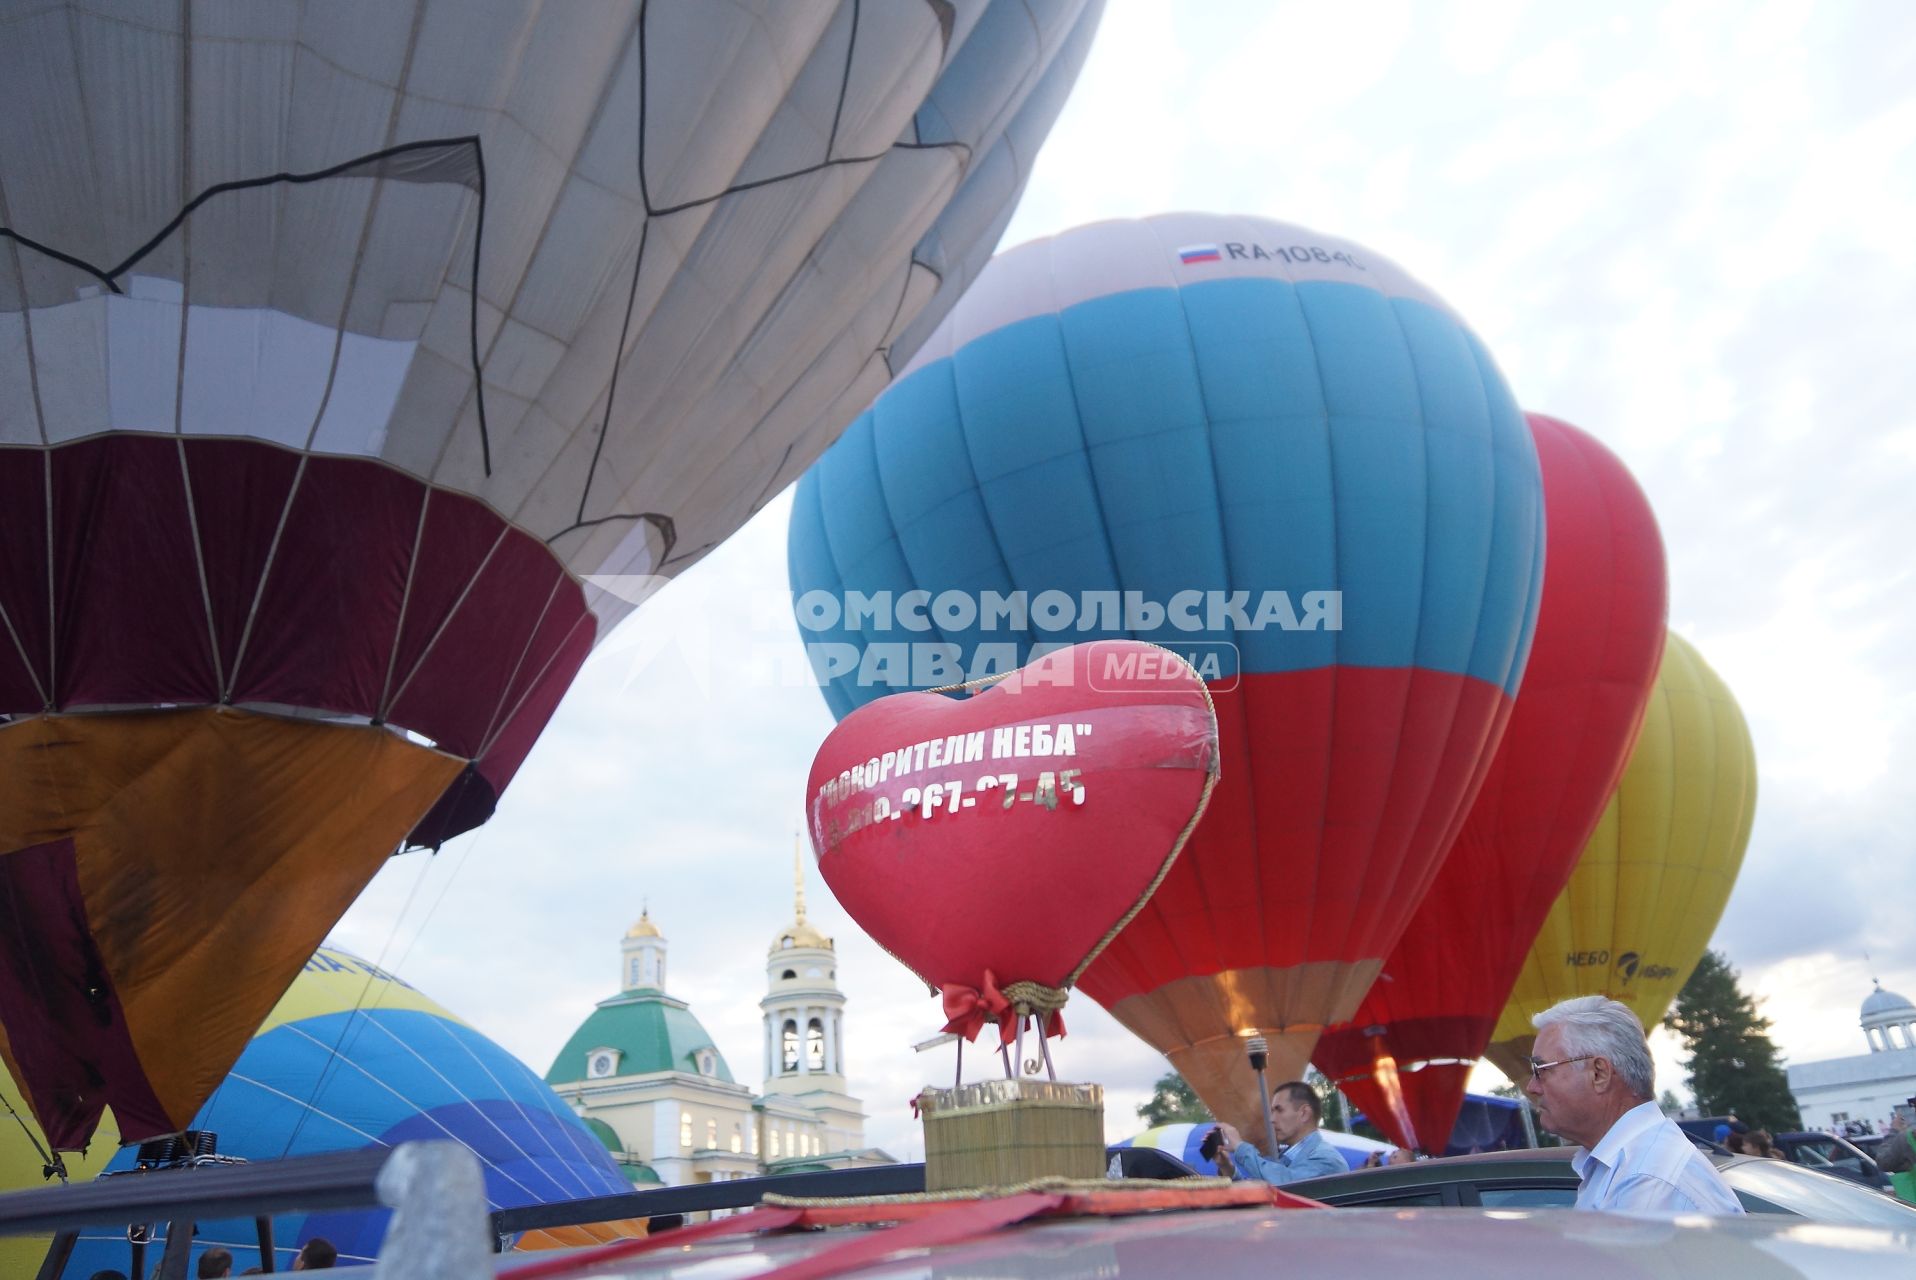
(352, 1057)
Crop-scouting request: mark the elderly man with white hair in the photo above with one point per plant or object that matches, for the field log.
(1594, 1084)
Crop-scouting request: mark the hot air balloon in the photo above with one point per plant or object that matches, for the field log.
(353, 1057)
(1141, 427)
(346, 353)
(1406, 1055)
(1654, 878)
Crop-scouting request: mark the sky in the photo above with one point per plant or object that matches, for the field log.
(1690, 230)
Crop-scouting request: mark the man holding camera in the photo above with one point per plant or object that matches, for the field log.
(1295, 1112)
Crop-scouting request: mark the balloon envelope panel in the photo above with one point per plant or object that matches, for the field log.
(182, 839)
(1406, 1055)
(1657, 872)
(1197, 413)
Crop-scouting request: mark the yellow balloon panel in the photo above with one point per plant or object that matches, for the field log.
(339, 982)
(1656, 875)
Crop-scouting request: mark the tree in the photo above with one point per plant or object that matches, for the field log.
(1733, 1067)
(1173, 1102)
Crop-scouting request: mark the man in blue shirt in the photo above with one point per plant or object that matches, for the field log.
(1295, 1113)
(1594, 1084)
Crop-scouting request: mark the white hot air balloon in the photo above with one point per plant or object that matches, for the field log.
(341, 346)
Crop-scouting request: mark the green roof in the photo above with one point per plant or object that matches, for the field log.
(652, 1032)
(636, 1171)
(641, 1175)
(604, 1133)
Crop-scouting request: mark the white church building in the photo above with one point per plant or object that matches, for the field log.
(1866, 1087)
(649, 1081)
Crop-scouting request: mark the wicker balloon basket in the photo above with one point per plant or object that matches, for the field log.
(1005, 1132)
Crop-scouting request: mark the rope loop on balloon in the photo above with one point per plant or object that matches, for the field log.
(1043, 1005)
(1035, 997)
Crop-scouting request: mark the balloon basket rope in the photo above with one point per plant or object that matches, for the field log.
(1005, 1132)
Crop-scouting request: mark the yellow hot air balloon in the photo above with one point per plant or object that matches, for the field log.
(1655, 876)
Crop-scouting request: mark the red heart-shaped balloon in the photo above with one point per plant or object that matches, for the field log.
(1013, 833)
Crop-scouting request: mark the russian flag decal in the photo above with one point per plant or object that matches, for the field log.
(1198, 253)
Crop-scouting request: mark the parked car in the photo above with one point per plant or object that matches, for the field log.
(1705, 1127)
(1830, 1154)
(1543, 1179)
(1482, 1244)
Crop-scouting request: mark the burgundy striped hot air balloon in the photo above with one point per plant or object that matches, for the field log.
(346, 352)
(1405, 1056)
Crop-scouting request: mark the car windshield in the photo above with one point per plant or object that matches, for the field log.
(1818, 1196)
(1824, 1154)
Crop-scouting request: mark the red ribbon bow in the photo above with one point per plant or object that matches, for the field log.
(967, 1009)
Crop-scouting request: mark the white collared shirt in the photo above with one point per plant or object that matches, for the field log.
(1646, 1162)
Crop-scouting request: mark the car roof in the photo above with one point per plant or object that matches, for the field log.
(1551, 1162)
(1490, 1243)
(1512, 1156)
(1554, 1161)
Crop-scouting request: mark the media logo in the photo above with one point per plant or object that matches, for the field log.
(1216, 662)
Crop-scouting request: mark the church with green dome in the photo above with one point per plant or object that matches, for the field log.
(650, 1082)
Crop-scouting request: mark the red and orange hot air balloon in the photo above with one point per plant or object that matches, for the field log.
(1279, 455)
(1405, 1056)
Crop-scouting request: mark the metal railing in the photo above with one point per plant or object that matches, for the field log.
(708, 1197)
(439, 1229)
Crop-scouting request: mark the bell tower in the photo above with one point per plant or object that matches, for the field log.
(642, 956)
(805, 1024)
